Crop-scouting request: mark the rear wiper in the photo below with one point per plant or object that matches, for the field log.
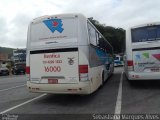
(151, 41)
(51, 42)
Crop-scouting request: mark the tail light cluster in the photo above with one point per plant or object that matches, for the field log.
(130, 65)
(28, 72)
(83, 72)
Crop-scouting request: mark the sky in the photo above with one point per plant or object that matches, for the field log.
(15, 15)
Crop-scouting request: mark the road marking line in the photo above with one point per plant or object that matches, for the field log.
(12, 108)
(12, 88)
(119, 97)
(12, 76)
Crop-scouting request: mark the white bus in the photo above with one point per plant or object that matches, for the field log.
(142, 59)
(118, 60)
(66, 54)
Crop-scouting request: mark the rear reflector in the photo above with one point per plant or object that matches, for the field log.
(83, 72)
(130, 63)
(27, 70)
(135, 76)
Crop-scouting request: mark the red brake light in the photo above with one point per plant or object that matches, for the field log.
(83, 68)
(130, 63)
(27, 70)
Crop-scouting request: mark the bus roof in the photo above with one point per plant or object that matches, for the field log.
(145, 24)
(69, 15)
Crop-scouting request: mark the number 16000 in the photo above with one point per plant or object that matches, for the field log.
(52, 68)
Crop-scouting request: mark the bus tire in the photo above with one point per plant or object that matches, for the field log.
(102, 78)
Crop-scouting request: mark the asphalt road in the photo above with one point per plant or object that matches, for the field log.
(117, 96)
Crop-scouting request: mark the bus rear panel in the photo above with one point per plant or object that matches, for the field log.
(143, 53)
(53, 54)
(66, 54)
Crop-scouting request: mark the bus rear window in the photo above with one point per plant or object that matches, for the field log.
(60, 31)
(144, 34)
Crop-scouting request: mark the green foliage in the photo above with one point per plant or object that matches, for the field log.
(8, 66)
(115, 36)
(8, 51)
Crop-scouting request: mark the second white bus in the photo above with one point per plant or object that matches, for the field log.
(142, 57)
(66, 54)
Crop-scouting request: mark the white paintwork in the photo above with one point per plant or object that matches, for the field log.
(74, 35)
(137, 72)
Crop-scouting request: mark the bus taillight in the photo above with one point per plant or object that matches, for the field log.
(27, 70)
(83, 68)
(83, 72)
(130, 65)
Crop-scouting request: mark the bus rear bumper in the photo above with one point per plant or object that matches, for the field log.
(79, 88)
(143, 76)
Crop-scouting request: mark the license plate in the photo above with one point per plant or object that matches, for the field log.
(155, 69)
(53, 81)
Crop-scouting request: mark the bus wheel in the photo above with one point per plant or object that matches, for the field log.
(103, 78)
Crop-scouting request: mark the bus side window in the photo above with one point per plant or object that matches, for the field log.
(121, 58)
(92, 35)
(101, 42)
(97, 36)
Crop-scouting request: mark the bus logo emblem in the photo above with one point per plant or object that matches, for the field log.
(54, 25)
(71, 61)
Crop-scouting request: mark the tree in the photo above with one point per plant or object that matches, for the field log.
(115, 36)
